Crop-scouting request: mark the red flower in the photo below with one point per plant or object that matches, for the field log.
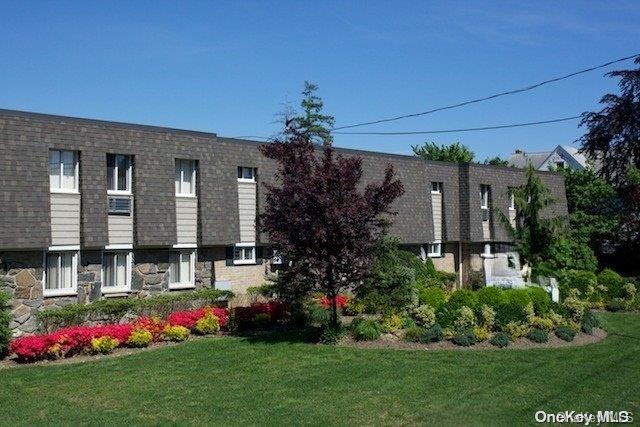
(155, 325)
(189, 318)
(341, 301)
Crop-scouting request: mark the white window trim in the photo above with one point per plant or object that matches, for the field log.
(245, 261)
(484, 204)
(115, 177)
(74, 280)
(182, 193)
(512, 201)
(253, 173)
(192, 279)
(486, 253)
(117, 289)
(76, 189)
(439, 190)
(434, 254)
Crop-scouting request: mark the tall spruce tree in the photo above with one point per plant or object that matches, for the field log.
(314, 125)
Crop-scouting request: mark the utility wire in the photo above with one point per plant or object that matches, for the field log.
(426, 132)
(486, 98)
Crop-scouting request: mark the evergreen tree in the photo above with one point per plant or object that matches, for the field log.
(454, 153)
(314, 125)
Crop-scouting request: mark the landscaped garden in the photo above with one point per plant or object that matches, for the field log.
(281, 379)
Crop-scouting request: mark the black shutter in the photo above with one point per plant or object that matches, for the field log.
(259, 255)
(229, 256)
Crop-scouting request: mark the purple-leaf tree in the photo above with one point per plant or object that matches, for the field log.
(319, 217)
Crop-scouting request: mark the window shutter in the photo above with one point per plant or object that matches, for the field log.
(259, 255)
(229, 256)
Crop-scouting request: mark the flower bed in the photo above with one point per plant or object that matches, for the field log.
(70, 341)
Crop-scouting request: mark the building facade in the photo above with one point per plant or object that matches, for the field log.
(93, 209)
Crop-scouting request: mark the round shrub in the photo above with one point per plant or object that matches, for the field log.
(447, 315)
(466, 318)
(487, 316)
(565, 333)
(140, 338)
(544, 323)
(481, 333)
(591, 319)
(176, 333)
(577, 279)
(432, 296)
(391, 324)
(587, 328)
(413, 334)
(500, 339)
(432, 334)
(541, 300)
(425, 315)
(103, 345)
(408, 322)
(366, 330)
(463, 297)
(262, 321)
(538, 335)
(464, 338)
(491, 296)
(613, 281)
(515, 330)
(514, 308)
(208, 324)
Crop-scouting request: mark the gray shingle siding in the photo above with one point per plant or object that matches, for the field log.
(25, 139)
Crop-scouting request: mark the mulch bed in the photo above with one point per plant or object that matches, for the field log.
(389, 341)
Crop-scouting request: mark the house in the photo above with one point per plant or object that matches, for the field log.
(94, 209)
(563, 156)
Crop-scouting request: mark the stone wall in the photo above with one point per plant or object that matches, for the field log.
(21, 278)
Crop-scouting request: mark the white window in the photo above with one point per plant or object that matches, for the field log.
(246, 174)
(488, 253)
(185, 177)
(119, 174)
(60, 276)
(244, 254)
(63, 171)
(182, 269)
(116, 271)
(512, 200)
(484, 196)
(436, 187)
(434, 249)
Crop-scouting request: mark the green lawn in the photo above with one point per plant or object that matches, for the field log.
(285, 381)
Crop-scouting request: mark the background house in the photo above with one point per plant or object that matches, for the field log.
(564, 156)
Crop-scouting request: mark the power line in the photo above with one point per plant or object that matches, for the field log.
(486, 98)
(426, 132)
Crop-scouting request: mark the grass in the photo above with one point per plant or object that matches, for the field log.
(283, 380)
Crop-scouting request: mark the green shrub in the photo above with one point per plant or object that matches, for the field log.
(103, 345)
(491, 296)
(208, 324)
(140, 338)
(408, 322)
(176, 333)
(422, 270)
(5, 318)
(629, 291)
(391, 324)
(365, 329)
(463, 297)
(447, 315)
(544, 323)
(425, 315)
(481, 333)
(112, 309)
(541, 300)
(433, 297)
(565, 333)
(262, 320)
(432, 334)
(466, 318)
(515, 330)
(331, 334)
(414, 334)
(613, 281)
(587, 328)
(464, 337)
(514, 308)
(500, 339)
(487, 316)
(538, 335)
(577, 279)
(591, 319)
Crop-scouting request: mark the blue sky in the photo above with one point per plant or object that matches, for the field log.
(230, 67)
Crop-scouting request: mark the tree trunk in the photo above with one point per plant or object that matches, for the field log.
(334, 311)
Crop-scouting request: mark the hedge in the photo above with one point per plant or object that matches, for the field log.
(5, 332)
(111, 310)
